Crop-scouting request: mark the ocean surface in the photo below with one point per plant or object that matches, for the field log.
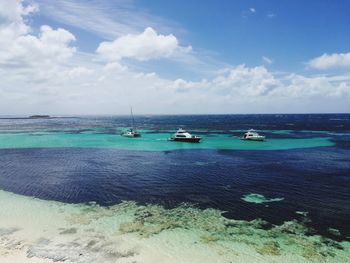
(301, 173)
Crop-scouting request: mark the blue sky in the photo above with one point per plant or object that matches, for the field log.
(179, 56)
(287, 32)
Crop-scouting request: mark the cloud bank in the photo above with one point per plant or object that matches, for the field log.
(42, 71)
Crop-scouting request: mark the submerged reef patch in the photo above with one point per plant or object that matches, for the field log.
(291, 237)
(260, 199)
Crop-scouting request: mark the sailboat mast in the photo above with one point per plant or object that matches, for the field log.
(132, 116)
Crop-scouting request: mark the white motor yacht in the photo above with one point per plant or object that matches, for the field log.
(253, 135)
(183, 136)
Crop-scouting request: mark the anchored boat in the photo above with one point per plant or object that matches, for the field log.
(183, 136)
(132, 132)
(253, 135)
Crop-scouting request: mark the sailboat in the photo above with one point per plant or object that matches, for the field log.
(132, 132)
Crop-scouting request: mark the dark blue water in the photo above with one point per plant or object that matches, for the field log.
(297, 122)
(316, 180)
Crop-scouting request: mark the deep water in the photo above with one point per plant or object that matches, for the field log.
(315, 179)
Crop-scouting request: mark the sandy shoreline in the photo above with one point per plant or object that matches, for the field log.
(33, 230)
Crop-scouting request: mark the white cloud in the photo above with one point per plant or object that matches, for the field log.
(147, 45)
(79, 71)
(115, 66)
(336, 60)
(14, 10)
(109, 19)
(111, 88)
(19, 48)
(12, 24)
(48, 48)
(258, 83)
(298, 86)
(249, 12)
(241, 80)
(246, 81)
(267, 60)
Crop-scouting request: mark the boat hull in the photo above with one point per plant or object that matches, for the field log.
(257, 139)
(132, 135)
(191, 140)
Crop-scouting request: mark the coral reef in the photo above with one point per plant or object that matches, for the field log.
(290, 237)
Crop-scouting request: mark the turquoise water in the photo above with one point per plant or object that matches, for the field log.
(150, 141)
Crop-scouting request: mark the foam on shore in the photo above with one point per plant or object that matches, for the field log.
(33, 230)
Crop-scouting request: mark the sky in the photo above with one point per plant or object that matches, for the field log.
(75, 57)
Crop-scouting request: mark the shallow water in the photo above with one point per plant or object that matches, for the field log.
(150, 141)
(127, 232)
(300, 174)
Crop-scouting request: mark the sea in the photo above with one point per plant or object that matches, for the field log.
(295, 184)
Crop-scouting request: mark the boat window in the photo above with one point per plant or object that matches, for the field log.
(182, 136)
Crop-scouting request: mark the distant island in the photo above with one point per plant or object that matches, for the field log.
(39, 116)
